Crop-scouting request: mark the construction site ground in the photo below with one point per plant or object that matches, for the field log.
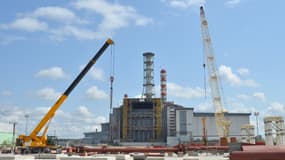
(136, 156)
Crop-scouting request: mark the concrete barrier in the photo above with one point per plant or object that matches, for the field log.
(45, 156)
(87, 158)
(16, 157)
(155, 158)
(122, 157)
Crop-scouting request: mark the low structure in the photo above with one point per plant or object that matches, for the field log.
(94, 138)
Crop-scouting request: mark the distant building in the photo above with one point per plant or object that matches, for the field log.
(93, 138)
(68, 142)
(237, 120)
(116, 124)
(6, 138)
(189, 127)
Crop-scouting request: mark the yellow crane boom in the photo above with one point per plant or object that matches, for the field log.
(40, 143)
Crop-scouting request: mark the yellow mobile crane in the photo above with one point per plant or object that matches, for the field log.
(42, 143)
(222, 123)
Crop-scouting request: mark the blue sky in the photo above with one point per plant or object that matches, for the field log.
(45, 44)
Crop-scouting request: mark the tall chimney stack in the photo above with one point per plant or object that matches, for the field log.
(148, 75)
(163, 90)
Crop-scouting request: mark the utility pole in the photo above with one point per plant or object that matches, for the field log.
(256, 114)
(27, 117)
(13, 140)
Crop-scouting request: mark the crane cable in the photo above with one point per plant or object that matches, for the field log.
(205, 76)
(205, 83)
(112, 75)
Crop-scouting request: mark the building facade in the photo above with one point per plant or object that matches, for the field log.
(141, 120)
(236, 119)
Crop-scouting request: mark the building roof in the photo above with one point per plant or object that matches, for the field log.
(226, 114)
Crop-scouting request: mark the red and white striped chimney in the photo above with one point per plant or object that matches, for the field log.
(163, 91)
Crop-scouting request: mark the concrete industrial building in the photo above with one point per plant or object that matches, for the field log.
(179, 124)
(183, 125)
(236, 119)
(156, 120)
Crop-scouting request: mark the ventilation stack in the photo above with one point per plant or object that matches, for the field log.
(148, 75)
(163, 91)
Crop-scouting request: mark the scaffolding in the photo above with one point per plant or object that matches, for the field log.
(142, 120)
(247, 133)
(274, 130)
(158, 118)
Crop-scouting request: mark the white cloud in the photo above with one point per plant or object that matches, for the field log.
(5, 40)
(9, 113)
(232, 3)
(243, 71)
(276, 108)
(259, 96)
(184, 3)
(97, 74)
(95, 93)
(239, 107)
(56, 13)
(243, 97)
(26, 24)
(184, 92)
(250, 83)
(100, 119)
(255, 96)
(226, 72)
(83, 114)
(115, 16)
(83, 111)
(6, 93)
(204, 107)
(48, 94)
(72, 31)
(234, 80)
(53, 73)
(40, 111)
(240, 104)
(68, 124)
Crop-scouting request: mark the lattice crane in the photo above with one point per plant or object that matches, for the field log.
(222, 123)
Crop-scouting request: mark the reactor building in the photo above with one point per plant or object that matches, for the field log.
(156, 121)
